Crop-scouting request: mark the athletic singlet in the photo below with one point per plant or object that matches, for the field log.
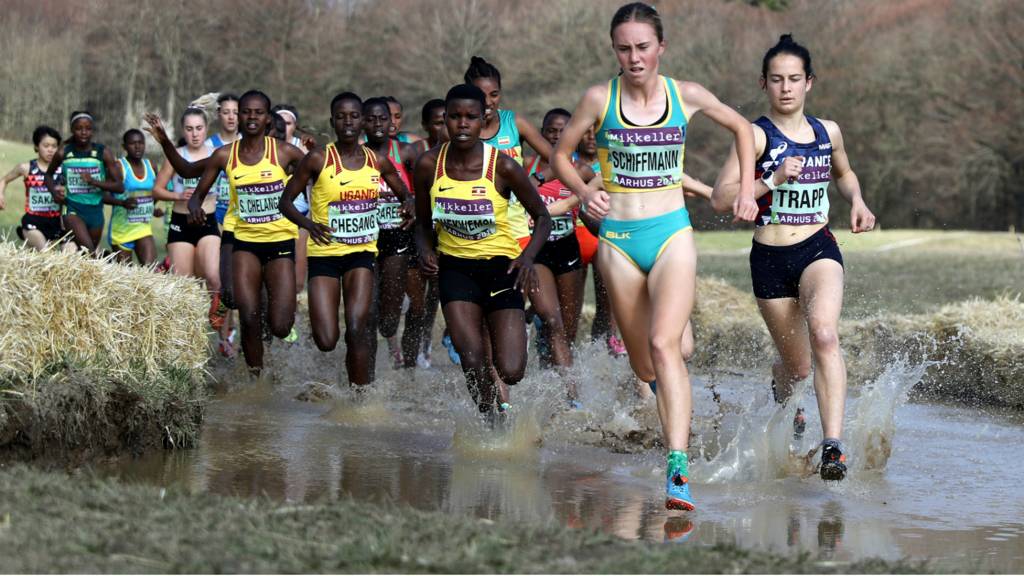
(804, 202)
(255, 194)
(219, 188)
(38, 200)
(563, 224)
(470, 216)
(346, 201)
(76, 164)
(641, 158)
(509, 142)
(388, 208)
(130, 225)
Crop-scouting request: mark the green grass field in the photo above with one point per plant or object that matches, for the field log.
(899, 271)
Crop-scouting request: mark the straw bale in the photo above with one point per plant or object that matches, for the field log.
(727, 326)
(977, 347)
(98, 354)
(58, 307)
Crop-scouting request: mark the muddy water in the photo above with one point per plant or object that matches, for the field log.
(927, 481)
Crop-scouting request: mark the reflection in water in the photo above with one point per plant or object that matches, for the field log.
(427, 450)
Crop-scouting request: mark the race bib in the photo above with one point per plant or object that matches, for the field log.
(73, 182)
(40, 200)
(561, 226)
(143, 211)
(257, 203)
(466, 219)
(388, 209)
(353, 221)
(646, 158)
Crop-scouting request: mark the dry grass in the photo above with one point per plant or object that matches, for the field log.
(92, 350)
(727, 326)
(977, 345)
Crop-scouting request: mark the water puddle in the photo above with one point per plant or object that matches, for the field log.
(927, 481)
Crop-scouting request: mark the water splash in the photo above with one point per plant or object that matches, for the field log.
(763, 447)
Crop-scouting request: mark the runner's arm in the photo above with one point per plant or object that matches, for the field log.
(533, 138)
(163, 178)
(696, 98)
(56, 190)
(861, 218)
(583, 118)
(423, 178)
(19, 171)
(727, 185)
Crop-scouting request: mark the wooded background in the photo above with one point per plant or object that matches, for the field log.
(929, 93)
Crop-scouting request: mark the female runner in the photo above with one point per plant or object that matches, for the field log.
(465, 238)
(647, 254)
(795, 263)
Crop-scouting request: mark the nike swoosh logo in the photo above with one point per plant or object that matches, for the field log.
(402, 250)
(493, 294)
(571, 262)
(283, 253)
(445, 188)
(818, 254)
(238, 176)
(345, 183)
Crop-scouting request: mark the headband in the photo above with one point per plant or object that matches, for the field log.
(284, 111)
(81, 115)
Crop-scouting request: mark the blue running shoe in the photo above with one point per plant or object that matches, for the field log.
(653, 385)
(446, 341)
(677, 492)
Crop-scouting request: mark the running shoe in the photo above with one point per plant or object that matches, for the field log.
(833, 461)
(677, 484)
(164, 265)
(218, 311)
(615, 346)
(677, 492)
(575, 405)
(423, 360)
(292, 336)
(653, 385)
(799, 424)
(453, 355)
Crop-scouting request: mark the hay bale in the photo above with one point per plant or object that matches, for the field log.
(83, 335)
(977, 347)
(727, 327)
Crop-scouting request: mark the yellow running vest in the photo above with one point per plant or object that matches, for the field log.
(471, 218)
(346, 201)
(255, 194)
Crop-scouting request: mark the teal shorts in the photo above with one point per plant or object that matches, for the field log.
(91, 214)
(643, 241)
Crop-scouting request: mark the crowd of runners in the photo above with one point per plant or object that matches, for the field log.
(377, 223)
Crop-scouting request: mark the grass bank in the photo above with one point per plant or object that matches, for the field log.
(96, 356)
(51, 522)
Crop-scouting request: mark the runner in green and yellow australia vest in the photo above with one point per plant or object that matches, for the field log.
(647, 254)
